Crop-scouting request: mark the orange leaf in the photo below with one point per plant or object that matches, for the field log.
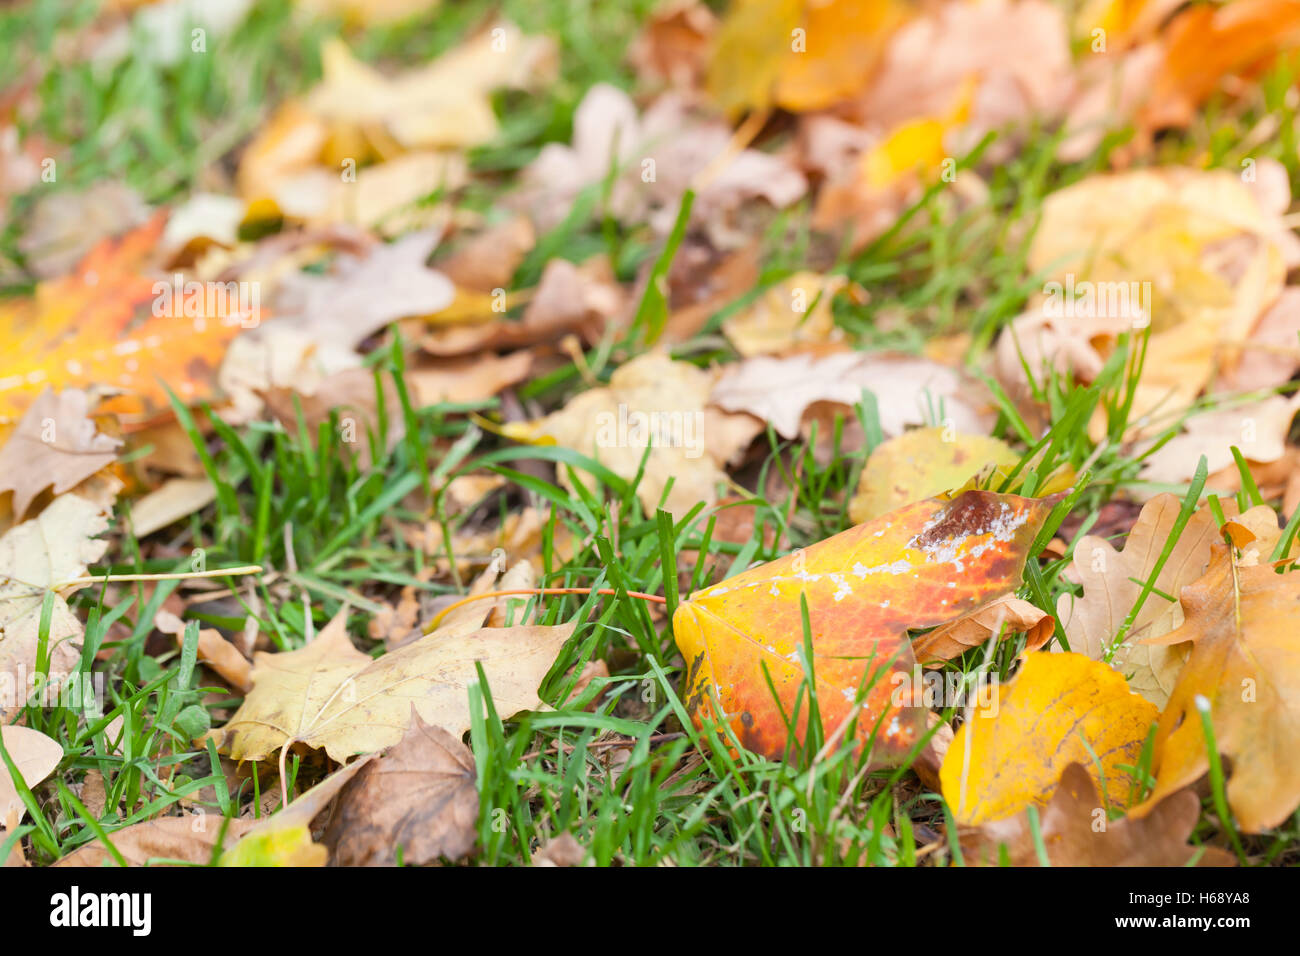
(99, 327)
(920, 566)
(1207, 42)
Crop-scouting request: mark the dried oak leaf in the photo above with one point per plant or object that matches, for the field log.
(328, 694)
(420, 798)
(1075, 831)
(921, 566)
(55, 443)
(52, 548)
(1060, 708)
(1244, 666)
(1112, 581)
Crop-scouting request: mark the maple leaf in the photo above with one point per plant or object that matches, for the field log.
(1073, 830)
(780, 390)
(47, 551)
(93, 327)
(1059, 709)
(56, 444)
(421, 796)
(328, 694)
(1244, 666)
(923, 565)
(656, 402)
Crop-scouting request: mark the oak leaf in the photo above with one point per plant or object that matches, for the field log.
(420, 798)
(1059, 709)
(1244, 667)
(1075, 831)
(920, 566)
(55, 443)
(1112, 582)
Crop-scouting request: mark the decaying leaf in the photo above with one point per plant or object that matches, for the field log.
(54, 547)
(1075, 831)
(419, 799)
(1059, 709)
(328, 694)
(1112, 581)
(908, 390)
(1243, 669)
(191, 838)
(920, 464)
(55, 443)
(920, 566)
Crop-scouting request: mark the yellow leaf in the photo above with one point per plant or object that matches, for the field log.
(1060, 709)
(792, 313)
(285, 846)
(921, 464)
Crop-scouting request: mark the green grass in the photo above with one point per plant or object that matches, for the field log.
(620, 766)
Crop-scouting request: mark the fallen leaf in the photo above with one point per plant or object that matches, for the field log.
(920, 566)
(792, 313)
(322, 319)
(920, 464)
(173, 500)
(1006, 616)
(1243, 666)
(54, 547)
(92, 328)
(191, 838)
(289, 845)
(1074, 830)
(650, 401)
(561, 850)
(674, 45)
(581, 298)
(56, 443)
(1258, 430)
(35, 755)
(908, 390)
(419, 799)
(64, 226)
(489, 260)
(1059, 709)
(330, 695)
(1112, 581)
(1205, 44)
